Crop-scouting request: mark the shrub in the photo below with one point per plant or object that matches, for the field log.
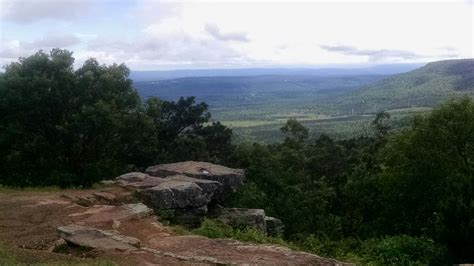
(216, 229)
(403, 250)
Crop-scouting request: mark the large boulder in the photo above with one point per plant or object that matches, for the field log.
(230, 178)
(96, 238)
(243, 218)
(175, 194)
(213, 189)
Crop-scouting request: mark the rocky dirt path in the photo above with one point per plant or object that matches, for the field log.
(120, 230)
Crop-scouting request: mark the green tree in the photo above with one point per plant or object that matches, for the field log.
(294, 131)
(430, 177)
(60, 126)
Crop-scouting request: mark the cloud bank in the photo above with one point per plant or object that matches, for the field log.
(373, 55)
(155, 34)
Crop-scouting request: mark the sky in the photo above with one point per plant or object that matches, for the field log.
(164, 35)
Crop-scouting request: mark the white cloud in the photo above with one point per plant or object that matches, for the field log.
(187, 34)
(215, 32)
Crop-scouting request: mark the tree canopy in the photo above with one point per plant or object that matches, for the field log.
(75, 127)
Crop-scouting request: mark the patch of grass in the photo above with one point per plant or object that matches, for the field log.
(7, 257)
(216, 229)
(180, 230)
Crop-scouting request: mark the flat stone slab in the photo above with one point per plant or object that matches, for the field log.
(230, 178)
(96, 238)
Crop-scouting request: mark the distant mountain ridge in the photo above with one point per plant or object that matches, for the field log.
(339, 71)
(422, 87)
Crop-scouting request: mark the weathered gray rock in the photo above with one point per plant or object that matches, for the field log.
(96, 238)
(132, 177)
(274, 225)
(105, 196)
(241, 218)
(213, 189)
(107, 182)
(86, 200)
(149, 182)
(175, 194)
(138, 210)
(230, 178)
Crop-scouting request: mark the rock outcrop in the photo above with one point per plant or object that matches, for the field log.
(230, 178)
(187, 189)
(175, 195)
(125, 232)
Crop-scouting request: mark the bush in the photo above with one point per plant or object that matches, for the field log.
(345, 249)
(403, 250)
(216, 229)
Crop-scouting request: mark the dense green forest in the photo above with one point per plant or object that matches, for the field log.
(75, 127)
(397, 197)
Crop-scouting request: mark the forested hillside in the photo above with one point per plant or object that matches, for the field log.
(423, 87)
(257, 97)
(341, 106)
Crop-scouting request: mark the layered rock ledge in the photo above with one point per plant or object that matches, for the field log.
(112, 225)
(189, 188)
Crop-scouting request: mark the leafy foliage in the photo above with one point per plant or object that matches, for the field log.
(417, 182)
(403, 250)
(64, 127)
(216, 229)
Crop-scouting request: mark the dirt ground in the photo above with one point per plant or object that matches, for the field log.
(29, 222)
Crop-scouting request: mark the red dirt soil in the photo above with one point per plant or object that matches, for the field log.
(29, 222)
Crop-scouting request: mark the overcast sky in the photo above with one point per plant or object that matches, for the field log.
(149, 34)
